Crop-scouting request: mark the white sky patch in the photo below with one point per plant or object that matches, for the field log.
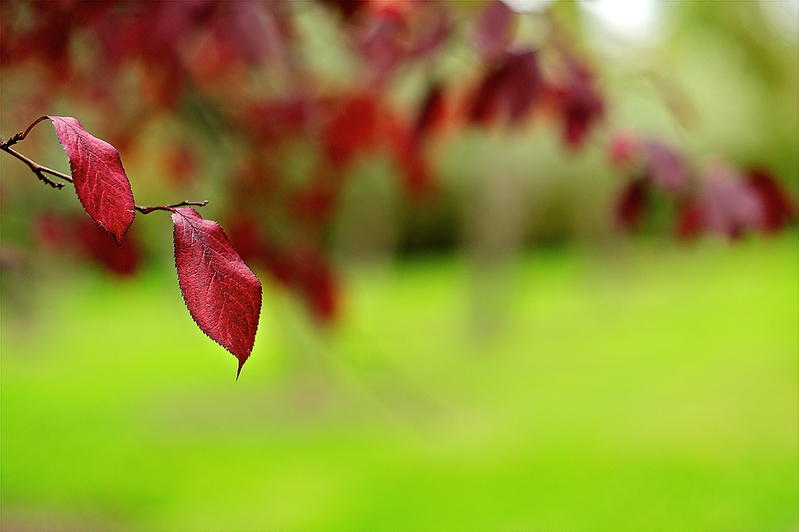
(624, 27)
(627, 19)
(783, 16)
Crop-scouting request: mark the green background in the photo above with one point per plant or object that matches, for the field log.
(653, 388)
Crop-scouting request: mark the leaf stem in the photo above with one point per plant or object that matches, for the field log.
(21, 136)
(36, 168)
(148, 210)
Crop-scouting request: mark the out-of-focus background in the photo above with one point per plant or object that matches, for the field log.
(527, 265)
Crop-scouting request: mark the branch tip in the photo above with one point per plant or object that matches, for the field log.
(148, 210)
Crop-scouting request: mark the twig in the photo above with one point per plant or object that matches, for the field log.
(36, 168)
(148, 210)
(21, 136)
(40, 172)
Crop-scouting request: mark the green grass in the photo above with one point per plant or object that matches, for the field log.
(653, 389)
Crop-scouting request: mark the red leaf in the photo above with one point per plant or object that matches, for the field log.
(431, 113)
(383, 44)
(581, 104)
(245, 236)
(415, 171)
(352, 130)
(631, 205)
(778, 207)
(509, 91)
(691, 220)
(313, 276)
(315, 202)
(347, 8)
(731, 206)
(99, 179)
(96, 245)
(222, 294)
(495, 29)
(667, 168)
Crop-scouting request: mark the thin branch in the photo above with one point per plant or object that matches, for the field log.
(21, 136)
(40, 172)
(36, 168)
(148, 210)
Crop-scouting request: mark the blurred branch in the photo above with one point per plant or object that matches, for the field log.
(676, 99)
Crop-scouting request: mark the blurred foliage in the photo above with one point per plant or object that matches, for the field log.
(240, 103)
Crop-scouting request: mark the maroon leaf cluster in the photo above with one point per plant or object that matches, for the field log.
(578, 103)
(69, 234)
(243, 78)
(240, 68)
(514, 84)
(304, 269)
(494, 30)
(719, 199)
(509, 91)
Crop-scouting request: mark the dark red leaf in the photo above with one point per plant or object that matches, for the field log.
(414, 168)
(778, 206)
(691, 220)
(731, 206)
(304, 270)
(347, 8)
(486, 100)
(272, 122)
(582, 105)
(383, 44)
(495, 29)
(181, 164)
(222, 294)
(252, 29)
(431, 113)
(99, 247)
(509, 91)
(315, 202)
(245, 236)
(666, 168)
(631, 205)
(313, 276)
(322, 293)
(522, 83)
(55, 231)
(352, 130)
(99, 179)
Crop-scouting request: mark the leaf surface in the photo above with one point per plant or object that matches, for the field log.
(778, 206)
(667, 168)
(495, 29)
(222, 294)
(731, 207)
(99, 179)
